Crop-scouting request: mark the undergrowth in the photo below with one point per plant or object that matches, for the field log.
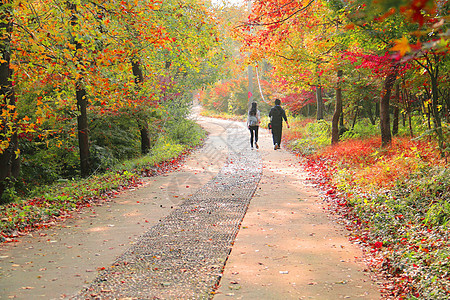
(47, 204)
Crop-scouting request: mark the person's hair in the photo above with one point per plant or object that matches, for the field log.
(277, 101)
(252, 110)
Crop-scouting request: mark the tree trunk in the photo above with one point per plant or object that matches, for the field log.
(396, 110)
(137, 71)
(9, 161)
(145, 138)
(446, 97)
(377, 108)
(435, 111)
(411, 132)
(432, 68)
(368, 109)
(319, 102)
(337, 111)
(82, 119)
(386, 136)
(143, 127)
(83, 131)
(407, 104)
(355, 117)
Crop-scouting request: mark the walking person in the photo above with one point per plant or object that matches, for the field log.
(276, 115)
(253, 120)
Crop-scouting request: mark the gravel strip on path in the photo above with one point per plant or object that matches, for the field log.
(183, 256)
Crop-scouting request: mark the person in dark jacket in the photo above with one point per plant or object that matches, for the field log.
(276, 115)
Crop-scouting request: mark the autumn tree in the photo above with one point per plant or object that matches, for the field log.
(78, 60)
(9, 156)
(407, 23)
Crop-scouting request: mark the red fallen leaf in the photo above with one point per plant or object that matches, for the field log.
(378, 245)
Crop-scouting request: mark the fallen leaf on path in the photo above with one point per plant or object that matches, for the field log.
(341, 282)
(234, 287)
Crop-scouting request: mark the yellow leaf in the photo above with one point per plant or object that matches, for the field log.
(17, 152)
(401, 45)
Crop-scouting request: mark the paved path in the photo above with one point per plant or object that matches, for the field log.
(182, 257)
(287, 247)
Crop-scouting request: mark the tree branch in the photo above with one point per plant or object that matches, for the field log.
(279, 21)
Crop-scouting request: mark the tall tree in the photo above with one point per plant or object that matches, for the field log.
(9, 160)
(385, 124)
(337, 111)
(81, 97)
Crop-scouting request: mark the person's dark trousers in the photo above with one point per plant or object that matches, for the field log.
(253, 134)
(276, 134)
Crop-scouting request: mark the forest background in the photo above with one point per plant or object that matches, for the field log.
(96, 94)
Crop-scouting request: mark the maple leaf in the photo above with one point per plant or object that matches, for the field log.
(401, 45)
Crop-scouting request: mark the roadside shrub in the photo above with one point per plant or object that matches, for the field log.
(101, 158)
(411, 223)
(46, 163)
(314, 135)
(184, 131)
(113, 137)
(362, 129)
